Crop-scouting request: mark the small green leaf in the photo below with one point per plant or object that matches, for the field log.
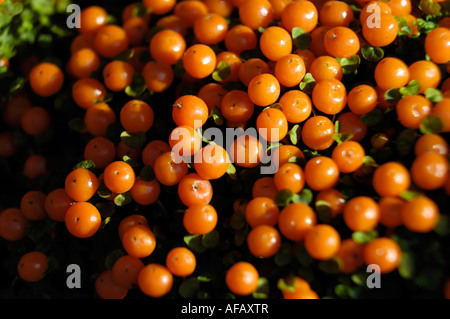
(262, 291)
(222, 71)
(137, 87)
(351, 64)
(194, 242)
(240, 236)
(133, 140)
(189, 287)
(211, 239)
(443, 226)
(204, 278)
(406, 268)
(123, 199)
(87, 164)
(295, 134)
(371, 53)
(364, 237)
(284, 255)
(301, 38)
(232, 171)
(217, 116)
(434, 95)
(342, 290)
(147, 174)
(410, 194)
(237, 220)
(425, 26)
(307, 84)
(130, 161)
(330, 266)
(429, 7)
(359, 278)
(411, 88)
(370, 161)
(106, 209)
(392, 95)
(429, 278)
(323, 210)
(431, 124)
(372, 118)
(102, 190)
(17, 85)
(284, 197)
(302, 256)
(125, 55)
(405, 141)
(286, 284)
(305, 196)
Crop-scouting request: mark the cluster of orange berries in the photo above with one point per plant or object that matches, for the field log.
(244, 68)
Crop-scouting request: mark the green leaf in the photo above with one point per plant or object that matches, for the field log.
(360, 278)
(405, 141)
(17, 85)
(123, 199)
(237, 220)
(425, 26)
(106, 209)
(392, 95)
(429, 278)
(370, 161)
(217, 116)
(130, 161)
(412, 88)
(133, 140)
(443, 226)
(147, 174)
(194, 242)
(307, 84)
(102, 190)
(284, 255)
(222, 71)
(232, 171)
(305, 196)
(434, 95)
(406, 268)
(330, 266)
(371, 53)
(284, 197)
(372, 118)
(262, 291)
(295, 134)
(342, 290)
(323, 210)
(189, 287)
(137, 87)
(301, 38)
(125, 55)
(410, 194)
(364, 237)
(351, 64)
(431, 124)
(429, 7)
(211, 239)
(302, 256)
(286, 284)
(87, 164)
(203, 278)
(240, 236)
